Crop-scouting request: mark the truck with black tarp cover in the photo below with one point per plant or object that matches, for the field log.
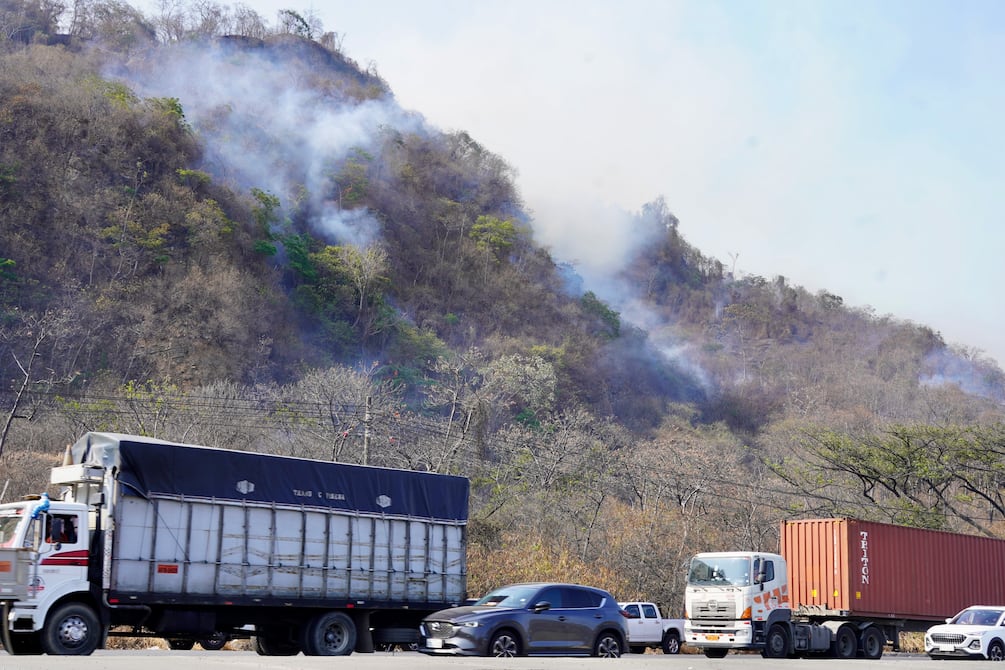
(185, 542)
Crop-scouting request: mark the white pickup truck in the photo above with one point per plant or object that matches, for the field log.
(646, 628)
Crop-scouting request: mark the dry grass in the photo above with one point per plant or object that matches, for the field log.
(115, 642)
(912, 642)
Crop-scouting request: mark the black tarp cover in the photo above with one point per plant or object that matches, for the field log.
(150, 467)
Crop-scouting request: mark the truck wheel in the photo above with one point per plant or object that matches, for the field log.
(996, 651)
(671, 644)
(71, 629)
(715, 652)
(776, 645)
(608, 645)
(25, 644)
(180, 645)
(845, 644)
(330, 634)
(215, 642)
(873, 641)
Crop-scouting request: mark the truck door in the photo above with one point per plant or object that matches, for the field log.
(772, 592)
(652, 622)
(62, 549)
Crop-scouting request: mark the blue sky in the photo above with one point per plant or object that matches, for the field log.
(851, 146)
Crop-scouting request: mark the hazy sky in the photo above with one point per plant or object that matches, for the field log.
(851, 146)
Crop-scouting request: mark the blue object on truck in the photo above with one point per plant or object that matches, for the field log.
(150, 468)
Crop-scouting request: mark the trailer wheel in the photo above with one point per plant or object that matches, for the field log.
(845, 644)
(214, 642)
(671, 643)
(71, 630)
(180, 645)
(330, 634)
(25, 644)
(776, 645)
(873, 641)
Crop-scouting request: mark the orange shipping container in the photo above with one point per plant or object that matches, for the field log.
(881, 570)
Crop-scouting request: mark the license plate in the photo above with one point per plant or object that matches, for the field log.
(434, 643)
(947, 647)
(711, 638)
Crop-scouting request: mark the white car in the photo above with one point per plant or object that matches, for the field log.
(976, 632)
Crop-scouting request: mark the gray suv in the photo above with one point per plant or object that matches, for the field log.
(530, 619)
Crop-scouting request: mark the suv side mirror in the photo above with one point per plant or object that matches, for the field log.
(542, 606)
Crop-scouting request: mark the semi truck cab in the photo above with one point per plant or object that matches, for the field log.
(731, 598)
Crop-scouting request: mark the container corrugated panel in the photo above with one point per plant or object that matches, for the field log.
(885, 571)
(166, 550)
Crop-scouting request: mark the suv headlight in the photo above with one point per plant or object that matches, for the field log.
(470, 624)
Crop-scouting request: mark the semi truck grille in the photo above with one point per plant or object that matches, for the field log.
(947, 638)
(714, 609)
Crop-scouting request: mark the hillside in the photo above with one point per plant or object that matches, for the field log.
(240, 239)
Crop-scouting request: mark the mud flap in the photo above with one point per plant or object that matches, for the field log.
(5, 634)
(364, 636)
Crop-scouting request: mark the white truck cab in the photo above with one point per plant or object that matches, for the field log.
(730, 599)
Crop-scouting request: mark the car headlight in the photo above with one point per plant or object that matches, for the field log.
(976, 644)
(470, 624)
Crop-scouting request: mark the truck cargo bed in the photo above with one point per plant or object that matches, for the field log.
(195, 524)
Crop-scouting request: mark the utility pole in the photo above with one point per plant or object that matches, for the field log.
(366, 432)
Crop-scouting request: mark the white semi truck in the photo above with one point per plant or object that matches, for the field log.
(840, 587)
(152, 538)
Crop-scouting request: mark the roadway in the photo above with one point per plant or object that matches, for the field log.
(159, 659)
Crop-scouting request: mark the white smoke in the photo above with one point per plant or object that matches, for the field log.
(264, 125)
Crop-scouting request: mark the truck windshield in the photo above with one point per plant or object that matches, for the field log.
(719, 571)
(8, 528)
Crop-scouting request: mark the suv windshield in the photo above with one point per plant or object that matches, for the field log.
(511, 596)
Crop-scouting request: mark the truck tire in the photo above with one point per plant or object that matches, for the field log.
(25, 644)
(845, 644)
(671, 643)
(180, 645)
(71, 630)
(329, 634)
(873, 641)
(776, 644)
